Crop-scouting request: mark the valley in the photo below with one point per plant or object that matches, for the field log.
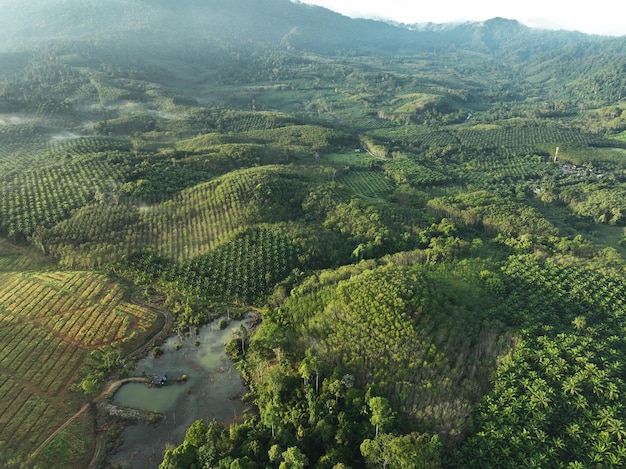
(430, 224)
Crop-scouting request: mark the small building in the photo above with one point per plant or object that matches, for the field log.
(158, 380)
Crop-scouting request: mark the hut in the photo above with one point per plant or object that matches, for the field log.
(158, 380)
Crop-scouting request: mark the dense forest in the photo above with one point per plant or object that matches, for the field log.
(428, 220)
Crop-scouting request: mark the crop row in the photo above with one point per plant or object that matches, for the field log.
(493, 213)
(36, 356)
(137, 316)
(22, 298)
(26, 418)
(91, 326)
(86, 145)
(243, 268)
(85, 93)
(244, 122)
(596, 291)
(10, 391)
(408, 171)
(488, 170)
(83, 307)
(98, 223)
(45, 196)
(438, 139)
(13, 133)
(20, 154)
(366, 183)
(54, 320)
(31, 297)
(516, 140)
(195, 221)
(19, 411)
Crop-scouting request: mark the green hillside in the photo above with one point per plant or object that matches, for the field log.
(429, 221)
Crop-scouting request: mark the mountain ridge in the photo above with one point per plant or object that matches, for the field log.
(200, 31)
(263, 21)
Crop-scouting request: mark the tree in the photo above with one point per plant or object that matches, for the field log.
(412, 451)
(293, 458)
(271, 416)
(91, 384)
(243, 335)
(382, 415)
(39, 237)
(275, 453)
(313, 365)
(579, 322)
(243, 463)
(373, 451)
(196, 433)
(180, 457)
(111, 357)
(336, 388)
(305, 371)
(271, 337)
(214, 431)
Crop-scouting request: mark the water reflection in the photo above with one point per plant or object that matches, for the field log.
(213, 390)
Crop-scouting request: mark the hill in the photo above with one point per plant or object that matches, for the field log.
(430, 220)
(268, 22)
(264, 22)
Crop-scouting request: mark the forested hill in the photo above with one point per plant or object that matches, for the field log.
(268, 22)
(429, 220)
(167, 30)
(271, 22)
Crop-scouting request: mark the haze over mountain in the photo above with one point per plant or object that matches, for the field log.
(590, 19)
(156, 30)
(270, 22)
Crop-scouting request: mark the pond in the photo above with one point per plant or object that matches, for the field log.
(213, 390)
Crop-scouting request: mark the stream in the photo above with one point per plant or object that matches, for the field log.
(213, 390)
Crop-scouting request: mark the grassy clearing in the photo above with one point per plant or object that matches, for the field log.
(20, 259)
(70, 446)
(355, 158)
(610, 236)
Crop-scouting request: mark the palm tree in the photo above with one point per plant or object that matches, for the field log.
(615, 427)
(572, 386)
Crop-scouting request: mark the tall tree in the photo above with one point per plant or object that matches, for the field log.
(382, 416)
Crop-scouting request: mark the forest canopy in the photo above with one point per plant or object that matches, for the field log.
(428, 225)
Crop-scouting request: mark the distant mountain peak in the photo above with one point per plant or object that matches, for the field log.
(500, 21)
(275, 23)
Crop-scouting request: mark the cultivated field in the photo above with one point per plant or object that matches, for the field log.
(49, 322)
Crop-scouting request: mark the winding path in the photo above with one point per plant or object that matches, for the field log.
(59, 430)
(113, 386)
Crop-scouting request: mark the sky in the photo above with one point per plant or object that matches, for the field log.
(591, 17)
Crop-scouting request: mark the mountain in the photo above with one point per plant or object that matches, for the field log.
(223, 33)
(388, 196)
(268, 22)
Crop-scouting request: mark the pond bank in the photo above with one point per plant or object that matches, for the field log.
(104, 403)
(212, 391)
